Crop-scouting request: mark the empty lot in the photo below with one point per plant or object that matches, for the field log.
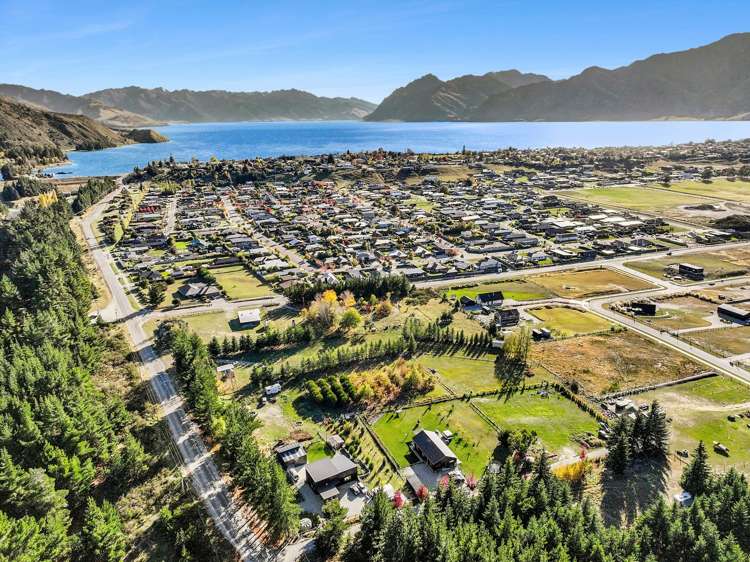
(607, 363)
(568, 322)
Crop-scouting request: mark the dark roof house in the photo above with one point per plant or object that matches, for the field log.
(432, 449)
(325, 475)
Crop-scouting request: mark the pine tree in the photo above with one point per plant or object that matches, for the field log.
(619, 445)
(330, 534)
(102, 533)
(697, 476)
(657, 432)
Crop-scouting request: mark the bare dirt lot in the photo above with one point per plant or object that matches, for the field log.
(679, 313)
(607, 363)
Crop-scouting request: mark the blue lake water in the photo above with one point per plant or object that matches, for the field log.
(248, 140)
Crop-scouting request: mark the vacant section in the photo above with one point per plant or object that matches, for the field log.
(680, 313)
(635, 198)
(555, 419)
(720, 188)
(722, 342)
(700, 410)
(474, 439)
(589, 283)
(568, 322)
(607, 363)
(716, 264)
(240, 284)
(518, 290)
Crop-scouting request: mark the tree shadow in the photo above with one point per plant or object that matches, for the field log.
(624, 497)
(511, 375)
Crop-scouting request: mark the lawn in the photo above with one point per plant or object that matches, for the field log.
(474, 439)
(463, 374)
(587, 283)
(555, 419)
(698, 411)
(240, 284)
(291, 414)
(612, 362)
(224, 323)
(518, 290)
(294, 416)
(568, 322)
(722, 342)
(420, 202)
(722, 391)
(428, 312)
(716, 264)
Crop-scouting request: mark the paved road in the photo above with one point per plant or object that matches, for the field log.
(171, 217)
(720, 364)
(198, 462)
(616, 263)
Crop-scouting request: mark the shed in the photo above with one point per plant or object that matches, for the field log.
(291, 454)
(249, 317)
(273, 389)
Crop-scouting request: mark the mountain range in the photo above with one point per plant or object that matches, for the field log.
(709, 82)
(431, 99)
(141, 107)
(219, 105)
(49, 100)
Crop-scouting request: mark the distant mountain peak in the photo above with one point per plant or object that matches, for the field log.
(429, 98)
(707, 82)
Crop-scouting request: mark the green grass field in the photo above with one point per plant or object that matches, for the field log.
(224, 323)
(634, 198)
(568, 322)
(720, 390)
(587, 283)
(239, 284)
(474, 441)
(719, 188)
(463, 374)
(722, 342)
(518, 290)
(554, 418)
(698, 411)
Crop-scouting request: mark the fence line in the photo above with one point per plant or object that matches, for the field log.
(648, 388)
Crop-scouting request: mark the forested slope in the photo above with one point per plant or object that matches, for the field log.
(83, 464)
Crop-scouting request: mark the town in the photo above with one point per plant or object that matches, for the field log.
(398, 321)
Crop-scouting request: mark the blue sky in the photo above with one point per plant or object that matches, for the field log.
(363, 49)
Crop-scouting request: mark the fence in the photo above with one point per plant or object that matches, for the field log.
(642, 389)
(383, 449)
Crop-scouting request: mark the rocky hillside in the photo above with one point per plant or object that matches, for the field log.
(431, 99)
(31, 136)
(710, 82)
(220, 105)
(64, 103)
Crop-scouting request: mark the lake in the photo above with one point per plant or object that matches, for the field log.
(249, 140)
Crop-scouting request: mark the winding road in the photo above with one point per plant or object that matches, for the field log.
(198, 462)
